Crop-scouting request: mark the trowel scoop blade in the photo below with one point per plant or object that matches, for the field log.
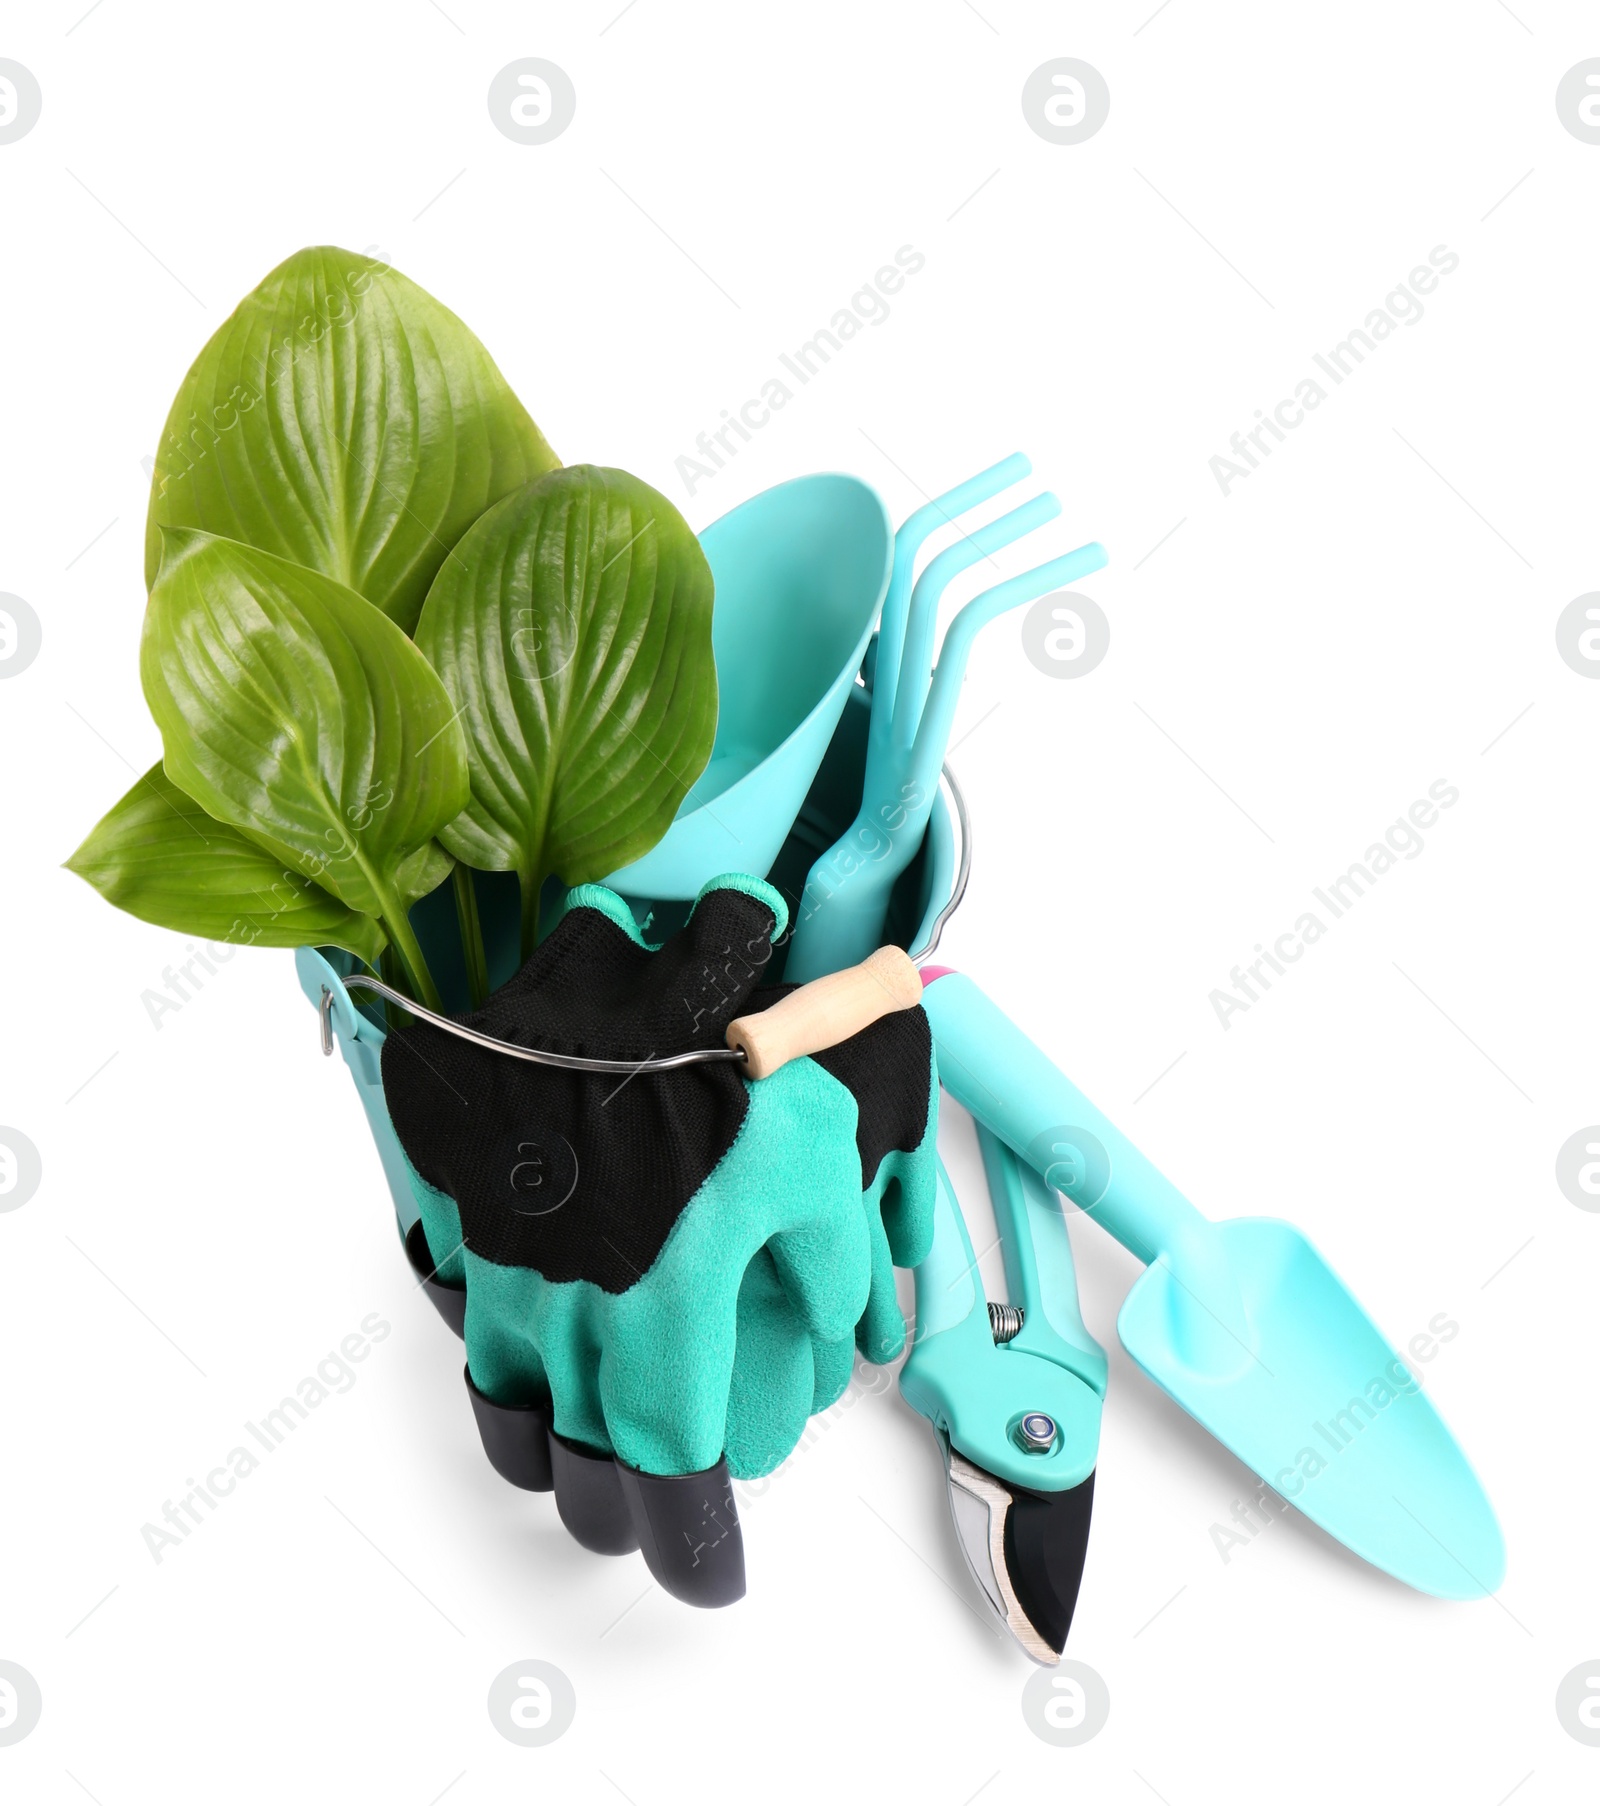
(1323, 1409)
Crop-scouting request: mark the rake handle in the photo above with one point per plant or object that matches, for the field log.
(827, 1011)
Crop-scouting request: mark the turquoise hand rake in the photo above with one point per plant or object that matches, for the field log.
(842, 913)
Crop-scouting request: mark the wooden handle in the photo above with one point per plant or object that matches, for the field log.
(827, 1011)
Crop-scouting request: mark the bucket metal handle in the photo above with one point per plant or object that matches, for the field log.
(668, 1063)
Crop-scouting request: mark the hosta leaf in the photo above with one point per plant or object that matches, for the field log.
(158, 855)
(342, 418)
(572, 629)
(297, 712)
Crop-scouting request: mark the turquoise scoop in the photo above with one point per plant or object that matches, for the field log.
(800, 572)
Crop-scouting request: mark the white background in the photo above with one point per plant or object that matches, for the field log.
(1293, 666)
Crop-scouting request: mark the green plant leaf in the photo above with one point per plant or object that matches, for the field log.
(573, 630)
(305, 718)
(159, 856)
(343, 418)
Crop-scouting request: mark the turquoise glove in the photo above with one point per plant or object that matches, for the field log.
(672, 1265)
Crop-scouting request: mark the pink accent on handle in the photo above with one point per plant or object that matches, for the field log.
(929, 973)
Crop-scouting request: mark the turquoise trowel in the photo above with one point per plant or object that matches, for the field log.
(1242, 1322)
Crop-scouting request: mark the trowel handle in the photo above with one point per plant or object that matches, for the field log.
(988, 1065)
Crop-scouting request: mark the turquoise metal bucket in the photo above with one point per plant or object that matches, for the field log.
(921, 895)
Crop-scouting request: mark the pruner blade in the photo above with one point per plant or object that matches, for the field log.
(1026, 1550)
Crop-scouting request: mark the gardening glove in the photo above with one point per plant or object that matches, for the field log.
(669, 1268)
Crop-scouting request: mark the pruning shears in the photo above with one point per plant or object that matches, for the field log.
(1013, 1392)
